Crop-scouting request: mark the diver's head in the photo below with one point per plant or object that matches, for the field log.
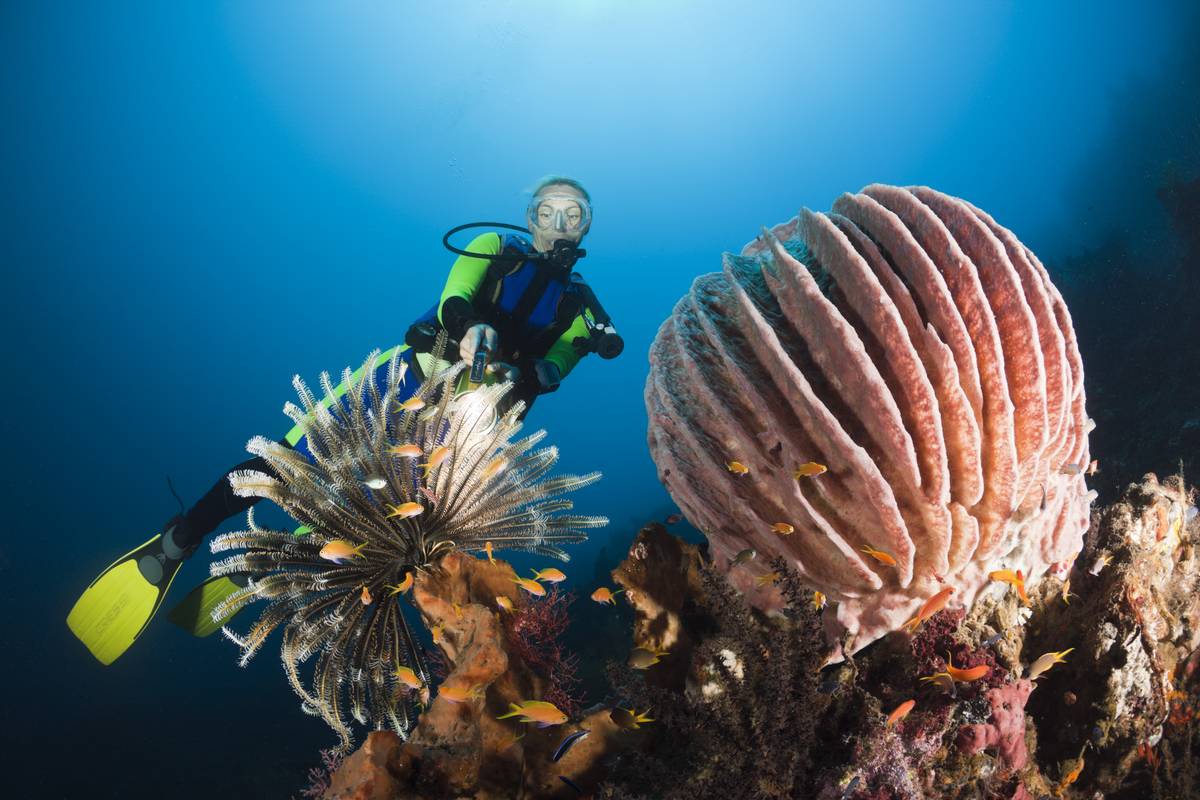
(560, 209)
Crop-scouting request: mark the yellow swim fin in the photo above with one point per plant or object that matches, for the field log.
(194, 612)
(117, 606)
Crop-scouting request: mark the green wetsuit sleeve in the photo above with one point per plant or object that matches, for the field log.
(466, 276)
(562, 353)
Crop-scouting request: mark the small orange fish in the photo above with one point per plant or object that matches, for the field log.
(1015, 579)
(606, 595)
(673, 518)
(405, 510)
(1093, 467)
(366, 596)
(1066, 591)
(879, 555)
(966, 675)
(818, 600)
(643, 658)
(1046, 661)
(460, 693)
(436, 630)
(737, 467)
(530, 585)
(1146, 751)
(409, 678)
(549, 575)
(457, 611)
(339, 550)
(539, 711)
(504, 603)
(932, 606)
(487, 548)
(900, 712)
(406, 450)
(769, 579)
(411, 404)
(809, 470)
(425, 490)
(494, 466)
(782, 528)
(628, 718)
(439, 454)
(1070, 777)
(944, 680)
(402, 586)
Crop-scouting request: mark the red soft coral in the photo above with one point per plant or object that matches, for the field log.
(534, 631)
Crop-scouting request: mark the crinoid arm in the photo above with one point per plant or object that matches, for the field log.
(374, 515)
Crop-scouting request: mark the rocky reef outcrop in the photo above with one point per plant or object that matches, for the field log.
(1089, 689)
(459, 749)
(916, 359)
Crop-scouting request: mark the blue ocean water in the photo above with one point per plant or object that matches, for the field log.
(202, 200)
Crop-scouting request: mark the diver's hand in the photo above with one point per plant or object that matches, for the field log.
(504, 371)
(477, 336)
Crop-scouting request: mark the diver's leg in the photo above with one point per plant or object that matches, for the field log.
(217, 505)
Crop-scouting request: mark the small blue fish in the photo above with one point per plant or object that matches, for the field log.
(570, 783)
(566, 744)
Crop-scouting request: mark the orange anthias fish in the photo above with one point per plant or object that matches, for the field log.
(1016, 579)
(549, 575)
(606, 595)
(643, 658)
(539, 711)
(504, 603)
(782, 528)
(460, 693)
(436, 630)
(411, 404)
(628, 718)
(439, 454)
(493, 468)
(932, 606)
(402, 586)
(409, 678)
(809, 470)
(406, 450)
(366, 596)
(966, 675)
(405, 510)
(1066, 591)
(457, 611)
(530, 585)
(943, 679)
(673, 518)
(818, 600)
(769, 579)
(487, 548)
(1070, 777)
(339, 550)
(1093, 467)
(900, 712)
(879, 555)
(1046, 661)
(737, 467)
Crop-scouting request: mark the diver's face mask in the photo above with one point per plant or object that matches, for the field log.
(558, 215)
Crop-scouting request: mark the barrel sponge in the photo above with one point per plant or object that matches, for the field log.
(917, 349)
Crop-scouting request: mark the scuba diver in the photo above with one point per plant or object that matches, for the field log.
(512, 308)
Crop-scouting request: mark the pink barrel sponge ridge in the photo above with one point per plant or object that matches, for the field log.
(915, 348)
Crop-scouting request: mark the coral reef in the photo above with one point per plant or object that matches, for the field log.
(1112, 711)
(372, 518)
(919, 351)
(461, 749)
